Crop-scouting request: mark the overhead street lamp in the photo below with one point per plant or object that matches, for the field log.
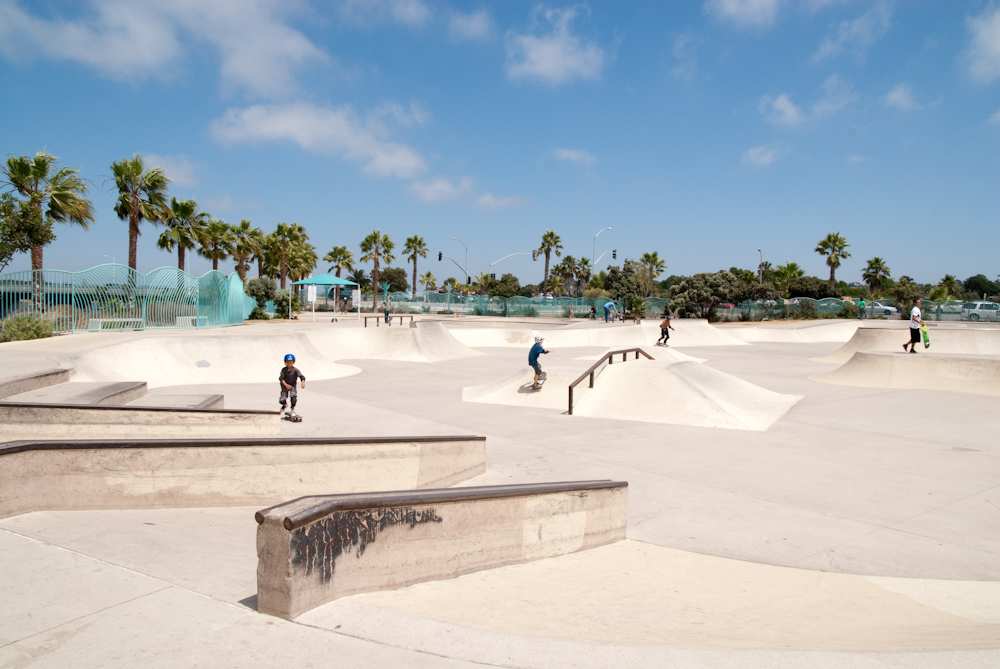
(510, 255)
(593, 251)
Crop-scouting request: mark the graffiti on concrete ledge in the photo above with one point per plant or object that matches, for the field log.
(316, 547)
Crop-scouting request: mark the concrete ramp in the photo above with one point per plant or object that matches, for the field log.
(23, 383)
(948, 340)
(314, 550)
(597, 334)
(674, 389)
(129, 473)
(978, 375)
(794, 332)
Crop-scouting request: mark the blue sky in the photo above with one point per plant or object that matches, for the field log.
(702, 129)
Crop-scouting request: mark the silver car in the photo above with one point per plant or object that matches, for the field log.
(981, 311)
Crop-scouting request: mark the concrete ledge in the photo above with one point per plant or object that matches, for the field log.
(27, 382)
(316, 549)
(29, 420)
(117, 474)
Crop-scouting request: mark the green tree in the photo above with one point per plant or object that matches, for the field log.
(415, 247)
(244, 247)
(260, 243)
(428, 281)
(358, 276)
(376, 248)
(507, 286)
(566, 273)
(905, 292)
(302, 260)
(47, 196)
(184, 223)
(583, 272)
(282, 245)
(652, 267)
(14, 234)
(876, 275)
(551, 243)
(340, 259)
(396, 278)
(451, 283)
(215, 241)
(950, 286)
(980, 285)
(142, 196)
(786, 275)
(834, 247)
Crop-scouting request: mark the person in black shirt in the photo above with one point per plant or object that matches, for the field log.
(289, 377)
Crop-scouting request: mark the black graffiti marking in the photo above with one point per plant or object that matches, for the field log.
(316, 547)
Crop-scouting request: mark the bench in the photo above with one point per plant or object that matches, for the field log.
(315, 549)
(97, 324)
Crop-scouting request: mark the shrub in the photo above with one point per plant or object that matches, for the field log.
(261, 290)
(281, 303)
(258, 314)
(21, 328)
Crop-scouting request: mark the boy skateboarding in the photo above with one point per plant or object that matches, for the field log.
(289, 378)
(665, 328)
(536, 350)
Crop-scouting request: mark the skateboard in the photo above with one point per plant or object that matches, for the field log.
(541, 382)
(292, 418)
(925, 336)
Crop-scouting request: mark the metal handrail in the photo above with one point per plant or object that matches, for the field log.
(609, 357)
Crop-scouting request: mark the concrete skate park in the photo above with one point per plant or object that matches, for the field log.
(785, 494)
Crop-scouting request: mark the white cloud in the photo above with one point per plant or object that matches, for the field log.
(475, 26)
(441, 190)
(856, 36)
(578, 156)
(259, 52)
(744, 13)
(995, 117)
(331, 130)
(491, 201)
(412, 13)
(404, 116)
(684, 52)
(554, 55)
(837, 94)
(901, 97)
(781, 110)
(760, 156)
(983, 54)
(178, 169)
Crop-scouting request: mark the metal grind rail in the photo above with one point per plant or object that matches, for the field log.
(378, 319)
(608, 357)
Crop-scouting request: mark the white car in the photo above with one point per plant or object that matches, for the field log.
(981, 311)
(881, 309)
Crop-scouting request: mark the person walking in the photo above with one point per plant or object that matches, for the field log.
(916, 318)
(861, 308)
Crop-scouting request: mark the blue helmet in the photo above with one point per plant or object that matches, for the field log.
(289, 357)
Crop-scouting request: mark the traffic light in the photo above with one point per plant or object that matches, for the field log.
(440, 256)
(614, 254)
(468, 280)
(493, 276)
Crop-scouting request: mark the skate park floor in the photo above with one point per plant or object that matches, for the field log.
(861, 529)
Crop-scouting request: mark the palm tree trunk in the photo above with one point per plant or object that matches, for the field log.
(37, 258)
(180, 257)
(282, 277)
(413, 287)
(375, 279)
(260, 268)
(133, 241)
(215, 264)
(833, 278)
(545, 275)
(37, 278)
(241, 269)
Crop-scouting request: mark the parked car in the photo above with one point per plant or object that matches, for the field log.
(881, 309)
(981, 311)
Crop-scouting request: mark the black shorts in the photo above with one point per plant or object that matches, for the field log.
(914, 335)
(664, 333)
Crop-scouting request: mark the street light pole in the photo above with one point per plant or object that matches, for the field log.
(593, 251)
(466, 254)
(510, 255)
(760, 267)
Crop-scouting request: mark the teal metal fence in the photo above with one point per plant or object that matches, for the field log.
(115, 297)
(833, 307)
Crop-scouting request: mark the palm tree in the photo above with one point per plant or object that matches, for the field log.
(413, 248)
(951, 286)
(428, 281)
(357, 275)
(785, 275)
(302, 260)
(876, 274)
(834, 247)
(51, 196)
(653, 266)
(551, 243)
(377, 248)
(259, 239)
(184, 223)
(566, 271)
(583, 272)
(341, 259)
(141, 197)
(282, 244)
(452, 283)
(245, 246)
(557, 284)
(216, 241)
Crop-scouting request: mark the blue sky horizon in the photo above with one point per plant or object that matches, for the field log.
(704, 130)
